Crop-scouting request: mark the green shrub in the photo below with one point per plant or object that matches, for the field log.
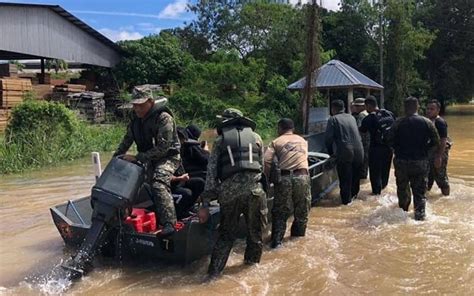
(42, 133)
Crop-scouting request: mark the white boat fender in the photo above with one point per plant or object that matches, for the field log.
(96, 164)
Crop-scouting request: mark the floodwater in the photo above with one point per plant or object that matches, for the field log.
(368, 247)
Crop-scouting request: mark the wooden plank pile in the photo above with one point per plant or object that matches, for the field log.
(63, 92)
(8, 70)
(42, 91)
(12, 91)
(91, 106)
(4, 117)
(70, 88)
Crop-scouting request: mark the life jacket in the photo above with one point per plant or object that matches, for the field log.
(145, 129)
(385, 121)
(239, 150)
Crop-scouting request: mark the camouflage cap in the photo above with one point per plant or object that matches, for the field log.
(141, 94)
(230, 113)
(359, 102)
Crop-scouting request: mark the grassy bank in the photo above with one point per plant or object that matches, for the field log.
(43, 134)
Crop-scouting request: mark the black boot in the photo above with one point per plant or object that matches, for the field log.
(445, 191)
(275, 244)
(297, 230)
(420, 216)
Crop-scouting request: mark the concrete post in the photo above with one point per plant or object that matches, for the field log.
(350, 98)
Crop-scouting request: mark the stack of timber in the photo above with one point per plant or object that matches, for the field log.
(42, 91)
(70, 88)
(91, 106)
(63, 92)
(8, 70)
(4, 117)
(12, 91)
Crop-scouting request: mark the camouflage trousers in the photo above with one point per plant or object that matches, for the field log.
(292, 193)
(411, 174)
(160, 179)
(439, 175)
(249, 200)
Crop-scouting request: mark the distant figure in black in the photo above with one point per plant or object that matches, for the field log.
(342, 133)
(378, 124)
(413, 137)
(189, 180)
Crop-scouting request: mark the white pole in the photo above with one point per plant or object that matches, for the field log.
(96, 164)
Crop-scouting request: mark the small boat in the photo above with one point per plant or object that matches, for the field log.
(192, 240)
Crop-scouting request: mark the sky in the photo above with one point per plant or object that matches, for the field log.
(133, 19)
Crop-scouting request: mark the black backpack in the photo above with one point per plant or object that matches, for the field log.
(385, 121)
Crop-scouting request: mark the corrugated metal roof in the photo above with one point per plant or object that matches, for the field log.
(336, 74)
(71, 18)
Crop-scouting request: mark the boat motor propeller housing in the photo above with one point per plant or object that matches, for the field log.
(111, 196)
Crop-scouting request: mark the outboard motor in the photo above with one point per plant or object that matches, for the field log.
(111, 196)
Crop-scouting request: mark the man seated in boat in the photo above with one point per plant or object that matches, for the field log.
(189, 179)
(153, 129)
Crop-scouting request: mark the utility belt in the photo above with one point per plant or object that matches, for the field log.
(297, 172)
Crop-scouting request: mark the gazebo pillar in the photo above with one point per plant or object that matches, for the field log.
(368, 92)
(350, 98)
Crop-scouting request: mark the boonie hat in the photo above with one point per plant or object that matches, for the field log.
(359, 102)
(231, 113)
(141, 94)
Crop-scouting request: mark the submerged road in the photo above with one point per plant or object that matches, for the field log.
(368, 247)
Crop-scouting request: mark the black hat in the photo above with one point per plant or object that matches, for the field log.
(193, 132)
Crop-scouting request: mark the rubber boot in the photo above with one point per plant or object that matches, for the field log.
(420, 216)
(298, 230)
(277, 238)
(445, 191)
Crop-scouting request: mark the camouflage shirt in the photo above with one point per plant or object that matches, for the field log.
(155, 136)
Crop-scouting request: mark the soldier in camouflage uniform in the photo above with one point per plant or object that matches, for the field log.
(412, 136)
(439, 158)
(234, 176)
(293, 189)
(153, 129)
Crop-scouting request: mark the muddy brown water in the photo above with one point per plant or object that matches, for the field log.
(368, 247)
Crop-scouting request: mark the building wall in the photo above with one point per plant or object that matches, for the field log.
(42, 32)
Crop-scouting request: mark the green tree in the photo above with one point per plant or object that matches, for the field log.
(406, 44)
(226, 76)
(57, 65)
(449, 67)
(154, 59)
(351, 33)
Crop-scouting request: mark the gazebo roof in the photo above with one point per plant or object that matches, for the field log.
(336, 74)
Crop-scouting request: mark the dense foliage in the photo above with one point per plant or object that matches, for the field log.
(244, 55)
(42, 133)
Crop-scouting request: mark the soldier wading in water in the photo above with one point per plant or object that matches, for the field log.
(413, 136)
(234, 175)
(288, 152)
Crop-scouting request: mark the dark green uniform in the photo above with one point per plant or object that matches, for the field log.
(365, 143)
(440, 175)
(413, 136)
(233, 176)
(158, 148)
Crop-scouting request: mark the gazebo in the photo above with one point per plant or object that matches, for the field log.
(338, 75)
